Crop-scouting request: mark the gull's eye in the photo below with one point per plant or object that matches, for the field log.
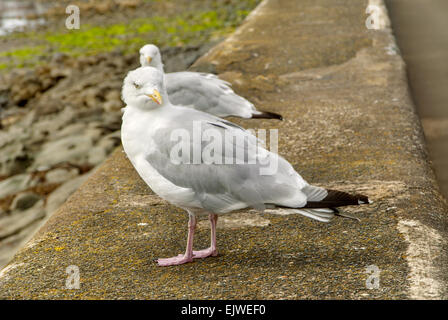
(137, 86)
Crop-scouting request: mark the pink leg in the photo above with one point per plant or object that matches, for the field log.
(188, 256)
(212, 251)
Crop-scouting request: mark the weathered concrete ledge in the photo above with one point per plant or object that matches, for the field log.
(349, 124)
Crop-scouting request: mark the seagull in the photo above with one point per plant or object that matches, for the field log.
(233, 181)
(202, 91)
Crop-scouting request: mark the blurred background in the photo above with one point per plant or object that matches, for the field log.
(421, 29)
(60, 89)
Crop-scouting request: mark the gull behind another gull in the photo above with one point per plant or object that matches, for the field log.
(202, 91)
(149, 121)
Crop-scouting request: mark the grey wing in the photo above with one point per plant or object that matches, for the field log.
(225, 187)
(207, 93)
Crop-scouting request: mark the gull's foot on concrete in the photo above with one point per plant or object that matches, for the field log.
(209, 252)
(174, 261)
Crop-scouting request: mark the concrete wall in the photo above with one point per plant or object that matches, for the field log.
(349, 124)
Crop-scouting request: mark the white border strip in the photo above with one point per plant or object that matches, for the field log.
(425, 247)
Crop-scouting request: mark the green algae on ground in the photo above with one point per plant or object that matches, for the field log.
(128, 37)
(187, 28)
(21, 57)
(163, 31)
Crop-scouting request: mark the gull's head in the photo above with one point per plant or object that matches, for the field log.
(150, 56)
(144, 88)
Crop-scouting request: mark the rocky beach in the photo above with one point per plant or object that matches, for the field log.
(60, 104)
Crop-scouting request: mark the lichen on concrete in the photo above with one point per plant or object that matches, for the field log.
(349, 124)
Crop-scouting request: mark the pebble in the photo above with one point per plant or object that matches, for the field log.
(24, 201)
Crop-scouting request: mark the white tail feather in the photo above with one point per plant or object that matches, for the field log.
(316, 214)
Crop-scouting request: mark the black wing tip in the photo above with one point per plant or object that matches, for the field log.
(363, 199)
(337, 198)
(268, 115)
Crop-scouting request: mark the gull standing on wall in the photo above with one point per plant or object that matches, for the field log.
(201, 187)
(202, 91)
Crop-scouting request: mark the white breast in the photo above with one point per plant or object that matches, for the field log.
(136, 136)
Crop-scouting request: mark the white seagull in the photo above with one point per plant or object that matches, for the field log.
(232, 181)
(202, 91)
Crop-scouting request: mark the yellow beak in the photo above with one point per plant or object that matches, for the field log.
(156, 97)
(149, 59)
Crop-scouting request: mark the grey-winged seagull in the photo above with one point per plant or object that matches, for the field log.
(202, 91)
(234, 180)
